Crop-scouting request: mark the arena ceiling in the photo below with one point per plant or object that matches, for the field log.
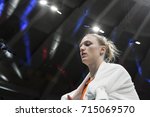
(42, 60)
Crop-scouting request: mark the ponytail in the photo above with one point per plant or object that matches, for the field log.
(111, 52)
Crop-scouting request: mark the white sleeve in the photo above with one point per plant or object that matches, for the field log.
(119, 86)
(122, 87)
(101, 94)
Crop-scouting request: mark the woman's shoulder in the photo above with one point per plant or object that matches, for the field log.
(115, 66)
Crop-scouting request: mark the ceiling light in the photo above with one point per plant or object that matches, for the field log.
(54, 8)
(97, 29)
(43, 2)
(3, 77)
(59, 12)
(8, 54)
(101, 31)
(8, 89)
(137, 42)
(17, 70)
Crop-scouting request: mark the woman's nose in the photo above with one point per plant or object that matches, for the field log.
(82, 48)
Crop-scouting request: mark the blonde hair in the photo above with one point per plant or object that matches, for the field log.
(111, 51)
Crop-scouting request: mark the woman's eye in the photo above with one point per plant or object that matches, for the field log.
(87, 43)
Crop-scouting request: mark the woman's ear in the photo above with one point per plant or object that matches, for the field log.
(102, 50)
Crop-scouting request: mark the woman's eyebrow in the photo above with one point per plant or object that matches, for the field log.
(83, 43)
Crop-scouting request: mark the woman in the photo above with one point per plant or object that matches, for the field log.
(105, 80)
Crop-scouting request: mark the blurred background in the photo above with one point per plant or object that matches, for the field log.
(39, 52)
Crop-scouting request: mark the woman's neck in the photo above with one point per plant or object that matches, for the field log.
(93, 68)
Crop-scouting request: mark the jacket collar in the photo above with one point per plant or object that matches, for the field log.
(102, 65)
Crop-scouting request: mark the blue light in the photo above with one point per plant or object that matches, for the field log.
(80, 21)
(130, 42)
(23, 25)
(23, 18)
(147, 80)
(114, 35)
(1, 6)
(138, 67)
(86, 26)
(29, 9)
(27, 46)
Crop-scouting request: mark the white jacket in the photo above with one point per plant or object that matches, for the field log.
(111, 82)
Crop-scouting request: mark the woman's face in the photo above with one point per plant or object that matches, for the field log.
(90, 50)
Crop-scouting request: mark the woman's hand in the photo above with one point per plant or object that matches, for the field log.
(69, 97)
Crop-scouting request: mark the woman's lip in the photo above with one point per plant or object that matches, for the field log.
(84, 55)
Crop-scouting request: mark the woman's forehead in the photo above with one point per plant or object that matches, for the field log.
(88, 38)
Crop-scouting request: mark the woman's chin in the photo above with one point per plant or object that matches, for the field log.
(85, 61)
